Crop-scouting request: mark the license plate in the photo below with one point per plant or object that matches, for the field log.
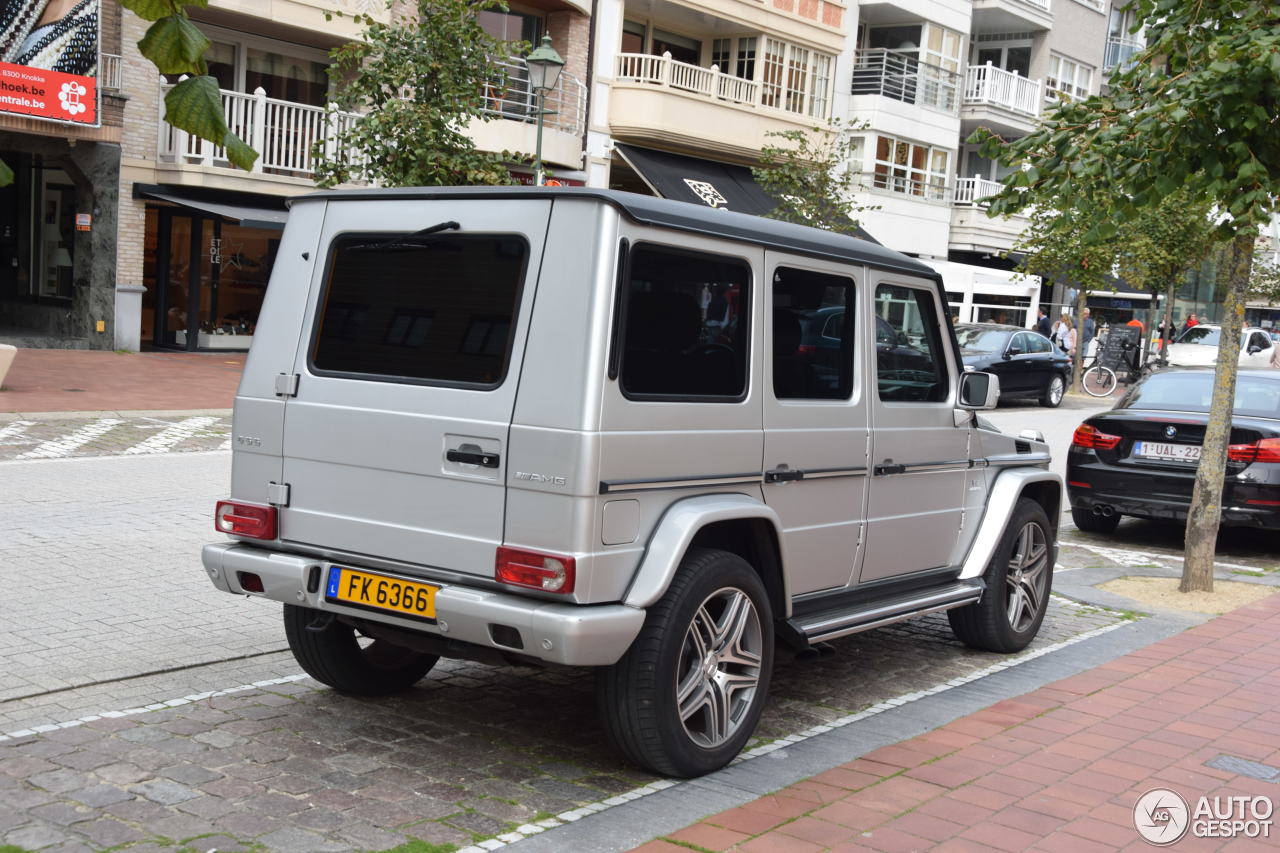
(1166, 452)
(379, 592)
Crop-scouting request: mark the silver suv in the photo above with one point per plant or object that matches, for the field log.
(588, 428)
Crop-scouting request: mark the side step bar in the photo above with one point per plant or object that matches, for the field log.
(840, 622)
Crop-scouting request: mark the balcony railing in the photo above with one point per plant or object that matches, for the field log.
(877, 71)
(517, 101)
(282, 132)
(971, 191)
(1039, 4)
(1120, 51)
(993, 86)
(109, 72)
(710, 83)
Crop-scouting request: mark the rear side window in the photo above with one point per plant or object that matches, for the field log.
(812, 335)
(435, 310)
(684, 325)
(910, 366)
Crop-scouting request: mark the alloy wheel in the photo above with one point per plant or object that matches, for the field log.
(719, 668)
(1028, 575)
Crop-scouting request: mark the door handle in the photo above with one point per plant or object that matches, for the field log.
(484, 460)
(883, 470)
(783, 475)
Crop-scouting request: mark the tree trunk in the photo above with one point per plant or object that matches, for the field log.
(1206, 498)
(1168, 335)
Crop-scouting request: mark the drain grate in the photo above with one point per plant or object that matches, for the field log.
(1245, 767)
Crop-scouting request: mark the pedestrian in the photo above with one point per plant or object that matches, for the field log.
(1059, 327)
(1042, 322)
(1191, 321)
(1068, 335)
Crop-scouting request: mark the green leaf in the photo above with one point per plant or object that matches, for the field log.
(195, 105)
(6, 174)
(153, 10)
(175, 45)
(238, 152)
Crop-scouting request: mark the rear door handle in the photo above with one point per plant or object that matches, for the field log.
(883, 470)
(484, 460)
(783, 475)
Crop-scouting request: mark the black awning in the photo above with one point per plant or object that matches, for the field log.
(724, 186)
(248, 215)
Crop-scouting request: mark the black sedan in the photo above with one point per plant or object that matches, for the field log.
(1027, 362)
(1140, 458)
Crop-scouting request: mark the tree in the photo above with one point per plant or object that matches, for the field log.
(175, 46)
(808, 174)
(1161, 244)
(416, 83)
(1198, 109)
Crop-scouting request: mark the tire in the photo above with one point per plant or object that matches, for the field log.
(1090, 523)
(656, 703)
(1019, 579)
(1052, 396)
(1099, 381)
(334, 656)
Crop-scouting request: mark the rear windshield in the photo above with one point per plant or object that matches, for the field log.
(1191, 392)
(436, 310)
(1200, 335)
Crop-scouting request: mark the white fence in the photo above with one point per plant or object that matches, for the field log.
(665, 71)
(989, 85)
(282, 132)
(973, 190)
(877, 71)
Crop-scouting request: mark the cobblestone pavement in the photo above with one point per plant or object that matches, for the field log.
(470, 754)
(110, 433)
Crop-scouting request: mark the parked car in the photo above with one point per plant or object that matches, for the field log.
(1140, 458)
(489, 423)
(1028, 363)
(1198, 346)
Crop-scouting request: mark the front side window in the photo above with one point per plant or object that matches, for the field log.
(684, 325)
(910, 366)
(437, 310)
(813, 352)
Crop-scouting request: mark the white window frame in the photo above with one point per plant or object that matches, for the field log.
(793, 63)
(1059, 86)
(930, 182)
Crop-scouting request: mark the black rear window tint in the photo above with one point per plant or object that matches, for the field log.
(685, 329)
(437, 310)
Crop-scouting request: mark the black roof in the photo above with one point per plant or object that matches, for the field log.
(683, 216)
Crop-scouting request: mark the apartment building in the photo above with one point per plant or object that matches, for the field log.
(686, 92)
(61, 121)
(121, 231)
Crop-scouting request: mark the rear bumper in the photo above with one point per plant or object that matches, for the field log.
(576, 635)
(1170, 508)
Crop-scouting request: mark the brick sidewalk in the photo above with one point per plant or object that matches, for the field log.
(1059, 769)
(52, 380)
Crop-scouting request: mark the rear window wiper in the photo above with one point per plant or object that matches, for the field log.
(403, 242)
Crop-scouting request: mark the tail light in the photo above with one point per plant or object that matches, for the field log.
(547, 572)
(1093, 438)
(253, 521)
(1263, 450)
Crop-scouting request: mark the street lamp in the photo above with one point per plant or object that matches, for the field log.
(545, 66)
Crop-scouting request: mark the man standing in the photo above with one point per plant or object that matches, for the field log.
(1042, 322)
(1087, 329)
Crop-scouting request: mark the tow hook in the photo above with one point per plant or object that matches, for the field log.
(321, 622)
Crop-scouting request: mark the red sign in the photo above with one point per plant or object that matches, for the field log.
(48, 94)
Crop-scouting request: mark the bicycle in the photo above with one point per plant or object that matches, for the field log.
(1101, 380)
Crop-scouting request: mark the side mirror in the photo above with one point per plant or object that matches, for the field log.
(1254, 349)
(1011, 352)
(979, 391)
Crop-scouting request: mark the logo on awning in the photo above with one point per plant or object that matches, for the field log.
(707, 192)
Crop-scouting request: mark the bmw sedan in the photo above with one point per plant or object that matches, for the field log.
(1140, 458)
(1027, 362)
